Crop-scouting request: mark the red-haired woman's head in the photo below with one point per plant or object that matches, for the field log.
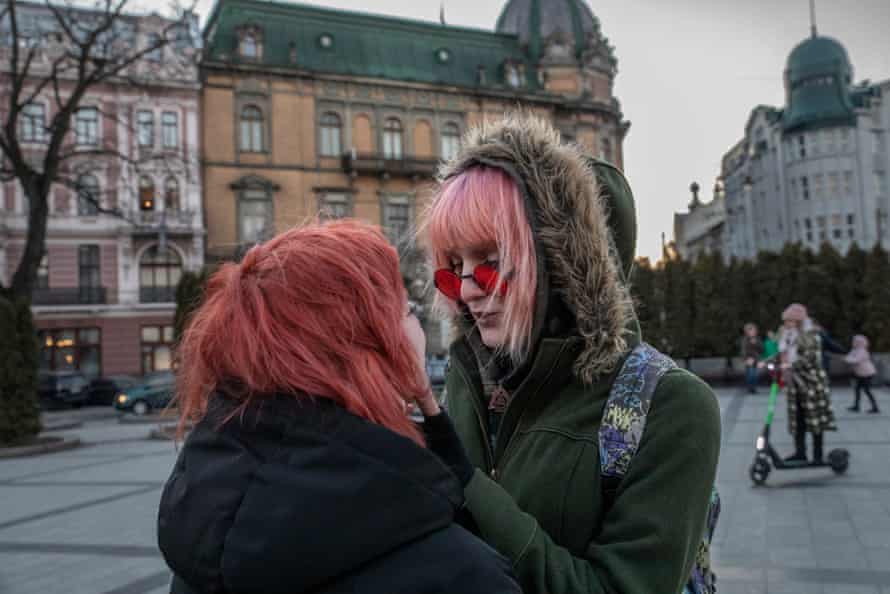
(315, 311)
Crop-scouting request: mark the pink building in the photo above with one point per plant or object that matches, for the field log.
(104, 300)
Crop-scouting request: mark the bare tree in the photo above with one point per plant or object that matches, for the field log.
(62, 51)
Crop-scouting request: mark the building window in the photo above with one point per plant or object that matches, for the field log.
(606, 150)
(397, 219)
(86, 126)
(392, 139)
(844, 140)
(331, 129)
(170, 129)
(157, 348)
(335, 206)
(828, 139)
(450, 140)
(171, 195)
(255, 216)
(89, 272)
(159, 273)
(848, 183)
(802, 146)
(71, 349)
(805, 188)
(145, 128)
(155, 41)
(881, 183)
(818, 185)
(146, 194)
(43, 273)
(33, 122)
(252, 129)
(833, 185)
(793, 189)
(850, 219)
(249, 47)
(87, 188)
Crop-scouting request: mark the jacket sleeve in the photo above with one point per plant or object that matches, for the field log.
(855, 357)
(650, 537)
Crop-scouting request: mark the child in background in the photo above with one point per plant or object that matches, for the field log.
(864, 370)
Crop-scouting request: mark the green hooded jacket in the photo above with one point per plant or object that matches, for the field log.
(536, 496)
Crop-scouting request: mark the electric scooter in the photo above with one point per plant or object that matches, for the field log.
(767, 458)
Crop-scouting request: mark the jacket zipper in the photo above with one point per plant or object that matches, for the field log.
(486, 442)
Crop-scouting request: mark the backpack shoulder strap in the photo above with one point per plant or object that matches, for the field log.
(624, 417)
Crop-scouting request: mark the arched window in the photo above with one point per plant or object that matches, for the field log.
(171, 195)
(87, 195)
(159, 273)
(331, 129)
(450, 140)
(146, 193)
(392, 139)
(252, 129)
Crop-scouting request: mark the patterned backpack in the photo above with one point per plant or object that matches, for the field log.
(624, 419)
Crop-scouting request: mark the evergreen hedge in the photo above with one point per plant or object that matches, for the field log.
(19, 407)
(698, 309)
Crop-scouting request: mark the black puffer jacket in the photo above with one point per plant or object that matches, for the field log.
(302, 496)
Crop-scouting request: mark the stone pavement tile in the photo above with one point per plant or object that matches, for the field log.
(21, 502)
(71, 574)
(152, 466)
(728, 587)
(878, 559)
(850, 589)
(128, 521)
(841, 555)
(801, 557)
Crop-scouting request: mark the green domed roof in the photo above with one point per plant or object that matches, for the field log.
(818, 79)
(536, 20)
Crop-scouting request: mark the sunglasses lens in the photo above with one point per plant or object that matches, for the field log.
(487, 278)
(447, 283)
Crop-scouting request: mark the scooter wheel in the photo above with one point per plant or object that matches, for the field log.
(839, 460)
(760, 469)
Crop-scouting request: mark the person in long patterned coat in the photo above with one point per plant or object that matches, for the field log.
(809, 396)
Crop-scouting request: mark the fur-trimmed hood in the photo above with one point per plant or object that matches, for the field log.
(580, 272)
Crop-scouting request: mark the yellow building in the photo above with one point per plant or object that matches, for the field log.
(309, 110)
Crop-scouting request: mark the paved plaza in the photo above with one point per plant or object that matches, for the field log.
(83, 521)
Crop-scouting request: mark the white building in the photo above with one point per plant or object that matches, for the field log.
(815, 170)
(701, 230)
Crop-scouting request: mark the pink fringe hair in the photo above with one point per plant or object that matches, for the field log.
(480, 208)
(316, 311)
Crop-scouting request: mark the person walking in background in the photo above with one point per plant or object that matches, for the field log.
(752, 351)
(809, 400)
(863, 370)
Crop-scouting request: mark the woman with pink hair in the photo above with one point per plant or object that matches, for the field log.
(587, 457)
(303, 472)
(809, 397)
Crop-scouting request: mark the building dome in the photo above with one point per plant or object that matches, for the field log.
(818, 79)
(534, 21)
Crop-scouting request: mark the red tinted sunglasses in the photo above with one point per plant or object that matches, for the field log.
(485, 275)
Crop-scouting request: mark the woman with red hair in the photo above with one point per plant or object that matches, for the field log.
(303, 471)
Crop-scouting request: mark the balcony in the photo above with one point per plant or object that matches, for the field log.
(157, 294)
(175, 221)
(69, 296)
(378, 164)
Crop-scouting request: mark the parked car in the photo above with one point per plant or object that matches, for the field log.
(154, 392)
(62, 388)
(102, 390)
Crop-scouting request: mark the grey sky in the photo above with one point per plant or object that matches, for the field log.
(690, 71)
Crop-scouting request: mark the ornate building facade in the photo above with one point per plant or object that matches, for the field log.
(104, 300)
(310, 111)
(816, 170)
